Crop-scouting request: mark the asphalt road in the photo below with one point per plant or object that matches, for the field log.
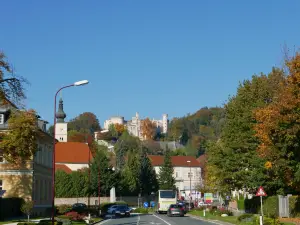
(155, 219)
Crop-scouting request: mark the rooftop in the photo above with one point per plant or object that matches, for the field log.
(72, 152)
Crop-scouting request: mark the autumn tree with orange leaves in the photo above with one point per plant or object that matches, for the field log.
(148, 129)
(278, 128)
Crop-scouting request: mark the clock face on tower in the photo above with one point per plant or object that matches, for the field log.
(62, 129)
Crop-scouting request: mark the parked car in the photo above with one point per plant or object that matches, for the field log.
(176, 210)
(122, 210)
(112, 209)
(79, 207)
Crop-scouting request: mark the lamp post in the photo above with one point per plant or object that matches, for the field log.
(189, 162)
(78, 83)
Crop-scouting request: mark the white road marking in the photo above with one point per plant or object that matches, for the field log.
(138, 221)
(162, 219)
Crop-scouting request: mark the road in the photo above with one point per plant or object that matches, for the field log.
(155, 219)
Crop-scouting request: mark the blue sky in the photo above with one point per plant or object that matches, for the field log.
(153, 57)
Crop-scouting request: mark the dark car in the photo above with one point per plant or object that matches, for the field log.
(176, 210)
(79, 207)
(122, 210)
(185, 208)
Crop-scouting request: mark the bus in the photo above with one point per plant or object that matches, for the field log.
(165, 199)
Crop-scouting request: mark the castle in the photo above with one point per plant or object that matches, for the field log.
(134, 125)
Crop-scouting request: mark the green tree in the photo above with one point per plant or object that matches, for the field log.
(20, 143)
(235, 157)
(148, 180)
(86, 122)
(165, 178)
(101, 166)
(27, 208)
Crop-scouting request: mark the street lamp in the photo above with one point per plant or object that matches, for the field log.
(78, 83)
(189, 162)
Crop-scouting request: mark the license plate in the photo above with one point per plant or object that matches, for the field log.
(122, 213)
(175, 212)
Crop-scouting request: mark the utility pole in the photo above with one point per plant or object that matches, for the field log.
(190, 176)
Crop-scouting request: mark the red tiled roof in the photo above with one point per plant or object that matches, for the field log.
(202, 160)
(63, 167)
(72, 152)
(179, 161)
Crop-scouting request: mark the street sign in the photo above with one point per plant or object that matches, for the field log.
(146, 205)
(152, 204)
(2, 192)
(261, 192)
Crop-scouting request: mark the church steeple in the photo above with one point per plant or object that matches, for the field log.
(60, 115)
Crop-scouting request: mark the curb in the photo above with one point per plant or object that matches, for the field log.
(209, 220)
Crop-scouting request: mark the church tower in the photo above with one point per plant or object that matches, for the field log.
(61, 128)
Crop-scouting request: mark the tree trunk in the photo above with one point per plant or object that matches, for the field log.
(28, 216)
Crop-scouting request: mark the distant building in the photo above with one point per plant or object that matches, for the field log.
(72, 156)
(31, 180)
(134, 125)
(182, 172)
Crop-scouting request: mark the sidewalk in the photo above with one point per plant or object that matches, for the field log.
(34, 220)
(209, 220)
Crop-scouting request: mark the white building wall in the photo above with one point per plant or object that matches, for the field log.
(114, 120)
(61, 132)
(75, 167)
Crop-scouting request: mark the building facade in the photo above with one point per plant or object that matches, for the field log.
(30, 180)
(187, 173)
(134, 125)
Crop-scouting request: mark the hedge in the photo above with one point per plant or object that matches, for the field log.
(270, 206)
(26, 223)
(241, 204)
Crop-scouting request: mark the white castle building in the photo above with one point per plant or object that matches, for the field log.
(134, 125)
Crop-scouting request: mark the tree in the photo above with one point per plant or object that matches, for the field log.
(27, 208)
(148, 180)
(101, 166)
(76, 136)
(165, 178)
(80, 181)
(11, 86)
(278, 130)
(86, 122)
(20, 142)
(235, 156)
(148, 129)
(120, 128)
(113, 131)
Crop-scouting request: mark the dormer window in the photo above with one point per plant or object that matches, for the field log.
(1, 118)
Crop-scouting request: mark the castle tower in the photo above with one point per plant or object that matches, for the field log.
(61, 128)
(165, 123)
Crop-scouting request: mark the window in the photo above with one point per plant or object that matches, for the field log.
(176, 174)
(1, 118)
(1, 185)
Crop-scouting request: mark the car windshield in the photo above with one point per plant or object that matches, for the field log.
(174, 206)
(122, 207)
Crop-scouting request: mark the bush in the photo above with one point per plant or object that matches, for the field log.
(267, 221)
(62, 209)
(246, 217)
(219, 212)
(270, 207)
(64, 219)
(75, 216)
(141, 210)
